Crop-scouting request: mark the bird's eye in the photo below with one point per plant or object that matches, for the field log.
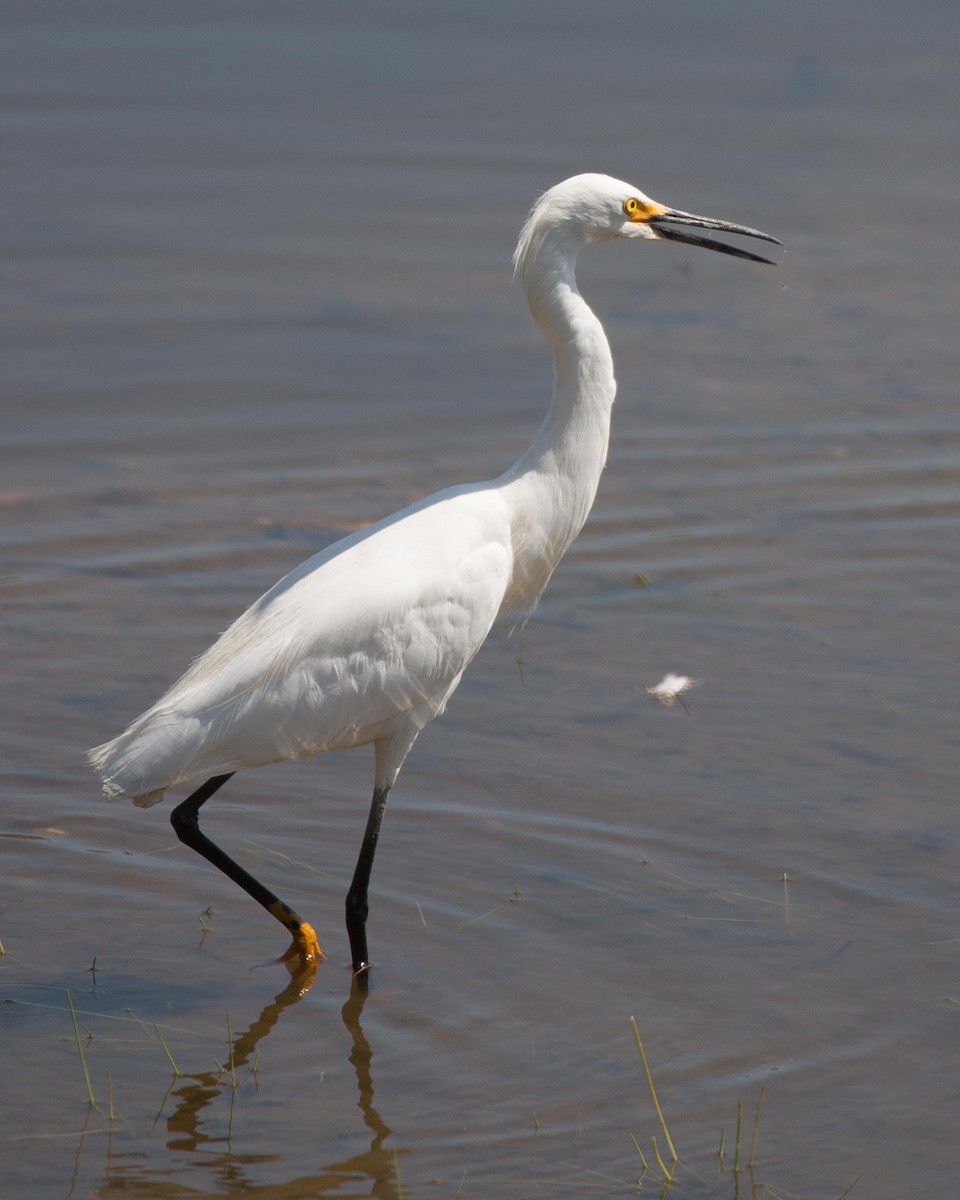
(631, 206)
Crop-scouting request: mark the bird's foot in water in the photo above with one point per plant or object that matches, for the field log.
(304, 953)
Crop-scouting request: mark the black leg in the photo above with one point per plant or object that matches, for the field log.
(356, 905)
(186, 825)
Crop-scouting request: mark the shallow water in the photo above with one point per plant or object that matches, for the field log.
(256, 273)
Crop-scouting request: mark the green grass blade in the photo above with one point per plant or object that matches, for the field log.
(756, 1129)
(653, 1092)
(166, 1049)
(83, 1058)
(736, 1149)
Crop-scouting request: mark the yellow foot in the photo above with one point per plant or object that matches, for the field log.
(304, 952)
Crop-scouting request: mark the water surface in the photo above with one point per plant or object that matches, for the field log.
(256, 277)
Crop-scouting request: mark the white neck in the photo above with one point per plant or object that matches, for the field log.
(555, 482)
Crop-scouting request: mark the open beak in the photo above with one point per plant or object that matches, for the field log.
(663, 223)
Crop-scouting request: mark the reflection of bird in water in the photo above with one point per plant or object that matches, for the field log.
(367, 640)
(192, 1127)
(200, 1090)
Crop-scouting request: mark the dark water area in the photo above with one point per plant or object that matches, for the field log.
(256, 292)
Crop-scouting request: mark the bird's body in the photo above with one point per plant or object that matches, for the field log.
(366, 641)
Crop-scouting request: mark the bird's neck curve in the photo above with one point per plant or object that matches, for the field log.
(555, 481)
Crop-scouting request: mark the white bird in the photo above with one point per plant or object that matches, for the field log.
(367, 640)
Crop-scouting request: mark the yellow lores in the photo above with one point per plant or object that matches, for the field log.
(642, 210)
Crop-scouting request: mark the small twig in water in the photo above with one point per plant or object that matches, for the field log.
(204, 927)
(520, 663)
(233, 1068)
(517, 895)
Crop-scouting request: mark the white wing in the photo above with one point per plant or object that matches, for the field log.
(361, 641)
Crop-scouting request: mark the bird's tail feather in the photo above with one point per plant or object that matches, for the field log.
(103, 759)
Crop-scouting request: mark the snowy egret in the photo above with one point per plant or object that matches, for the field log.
(366, 641)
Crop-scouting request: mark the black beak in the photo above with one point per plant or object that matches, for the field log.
(664, 224)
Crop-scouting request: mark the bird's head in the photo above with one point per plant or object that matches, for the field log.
(591, 208)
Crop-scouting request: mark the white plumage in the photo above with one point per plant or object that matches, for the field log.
(363, 641)
(366, 641)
